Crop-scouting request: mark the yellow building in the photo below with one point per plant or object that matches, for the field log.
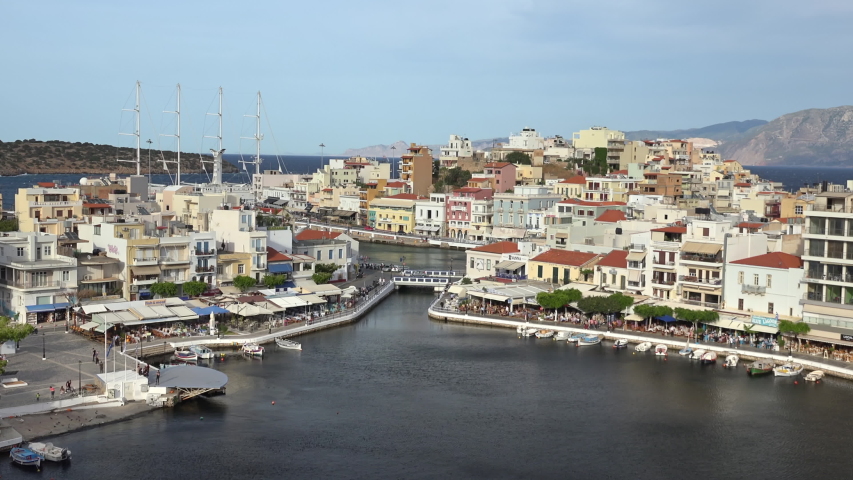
(795, 206)
(562, 266)
(395, 214)
(527, 175)
(570, 187)
(47, 208)
(595, 137)
(231, 264)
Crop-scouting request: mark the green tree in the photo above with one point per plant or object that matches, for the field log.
(272, 280)
(321, 277)
(194, 289)
(518, 158)
(10, 225)
(597, 165)
(164, 289)
(326, 268)
(466, 281)
(558, 298)
(794, 328)
(456, 177)
(244, 282)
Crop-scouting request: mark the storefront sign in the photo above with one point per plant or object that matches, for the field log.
(154, 303)
(847, 338)
(517, 258)
(766, 321)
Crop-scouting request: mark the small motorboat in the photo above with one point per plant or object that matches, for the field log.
(620, 343)
(643, 347)
(589, 340)
(185, 356)
(201, 351)
(25, 456)
(708, 357)
(815, 376)
(288, 344)
(686, 351)
(529, 332)
(520, 329)
(562, 335)
(731, 361)
(660, 350)
(697, 354)
(253, 349)
(789, 369)
(760, 367)
(544, 334)
(48, 451)
(573, 338)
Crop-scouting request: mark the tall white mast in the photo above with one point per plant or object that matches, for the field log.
(217, 153)
(257, 138)
(176, 135)
(138, 160)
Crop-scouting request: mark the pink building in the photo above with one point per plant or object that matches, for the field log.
(503, 173)
(468, 209)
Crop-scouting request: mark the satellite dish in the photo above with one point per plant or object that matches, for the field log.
(84, 181)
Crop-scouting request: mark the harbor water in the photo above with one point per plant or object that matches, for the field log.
(397, 395)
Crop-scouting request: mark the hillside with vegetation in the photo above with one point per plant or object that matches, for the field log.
(55, 156)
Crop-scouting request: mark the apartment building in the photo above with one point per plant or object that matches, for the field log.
(482, 261)
(48, 209)
(457, 147)
(431, 215)
(394, 214)
(765, 285)
(469, 213)
(511, 210)
(571, 187)
(236, 232)
(503, 175)
(595, 137)
(416, 169)
(562, 266)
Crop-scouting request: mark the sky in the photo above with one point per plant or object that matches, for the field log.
(349, 74)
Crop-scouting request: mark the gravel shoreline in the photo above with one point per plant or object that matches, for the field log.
(39, 426)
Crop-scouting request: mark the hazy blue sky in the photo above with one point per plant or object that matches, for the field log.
(357, 73)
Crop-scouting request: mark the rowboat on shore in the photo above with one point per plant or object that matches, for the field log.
(48, 451)
(660, 350)
(253, 349)
(815, 376)
(643, 347)
(760, 367)
(620, 343)
(589, 340)
(25, 457)
(185, 356)
(562, 335)
(288, 344)
(544, 334)
(789, 369)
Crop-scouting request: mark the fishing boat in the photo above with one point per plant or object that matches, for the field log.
(760, 367)
(201, 351)
(562, 335)
(789, 369)
(25, 456)
(48, 451)
(686, 351)
(288, 344)
(529, 332)
(697, 354)
(708, 357)
(643, 347)
(589, 340)
(731, 360)
(185, 356)
(253, 349)
(620, 343)
(815, 376)
(573, 338)
(544, 334)
(660, 350)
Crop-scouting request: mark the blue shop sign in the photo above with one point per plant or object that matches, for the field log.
(766, 321)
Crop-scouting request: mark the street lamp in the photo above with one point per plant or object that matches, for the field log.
(392, 160)
(164, 348)
(43, 354)
(149, 159)
(322, 146)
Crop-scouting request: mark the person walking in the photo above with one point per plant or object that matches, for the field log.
(158, 378)
(38, 396)
(94, 355)
(52, 392)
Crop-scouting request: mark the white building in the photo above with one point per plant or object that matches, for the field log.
(235, 229)
(457, 147)
(431, 215)
(528, 139)
(765, 285)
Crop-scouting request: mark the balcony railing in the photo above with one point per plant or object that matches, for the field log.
(701, 258)
(754, 289)
(829, 208)
(701, 303)
(658, 261)
(31, 284)
(828, 277)
(201, 268)
(661, 281)
(259, 249)
(141, 260)
(696, 279)
(175, 259)
(200, 253)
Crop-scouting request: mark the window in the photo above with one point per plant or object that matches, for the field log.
(241, 269)
(66, 275)
(98, 228)
(20, 251)
(770, 307)
(706, 232)
(798, 209)
(319, 254)
(539, 271)
(769, 282)
(755, 279)
(331, 254)
(472, 262)
(47, 250)
(488, 264)
(740, 278)
(340, 253)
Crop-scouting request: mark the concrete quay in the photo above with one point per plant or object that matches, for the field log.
(829, 366)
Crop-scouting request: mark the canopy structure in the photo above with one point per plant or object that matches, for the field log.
(292, 301)
(508, 265)
(666, 318)
(458, 290)
(701, 248)
(48, 307)
(323, 290)
(208, 310)
(313, 299)
(634, 318)
(149, 270)
(248, 310)
(735, 324)
(89, 325)
(515, 293)
(636, 256)
(428, 228)
(191, 380)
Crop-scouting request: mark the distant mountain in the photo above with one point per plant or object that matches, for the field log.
(378, 150)
(809, 137)
(720, 132)
(56, 156)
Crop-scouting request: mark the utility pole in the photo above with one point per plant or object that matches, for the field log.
(322, 146)
(149, 142)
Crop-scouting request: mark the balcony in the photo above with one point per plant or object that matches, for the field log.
(172, 259)
(703, 281)
(145, 280)
(203, 269)
(31, 284)
(661, 281)
(141, 261)
(56, 204)
(828, 277)
(663, 263)
(695, 257)
(205, 253)
(833, 207)
(701, 303)
(259, 249)
(174, 278)
(753, 289)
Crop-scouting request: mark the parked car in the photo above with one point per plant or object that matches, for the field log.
(213, 292)
(369, 228)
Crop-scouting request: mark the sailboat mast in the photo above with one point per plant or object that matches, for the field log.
(258, 137)
(218, 151)
(135, 110)
(178, 111)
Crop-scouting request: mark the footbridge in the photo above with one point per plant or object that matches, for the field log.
(421, 281)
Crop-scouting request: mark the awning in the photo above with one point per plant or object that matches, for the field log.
(507, 232)
(562, 235)
(150, 270)
(733, 324)
(635, 256)
(634, 275)
(458, 290)
(248, 310)
(313, 299)
(666, 318)
(48, 307)
(508, 265)
(280, 267)
(833, 341)
(428, 229)
(183, 312)
(229, 290)
(90, 309)
(343, 213)
(634, 318)
(89, 325)
(701, 248)
(288, 302)
(208, 310)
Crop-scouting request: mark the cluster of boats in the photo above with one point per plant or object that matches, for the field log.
(33, 453)
(579, 339)
(196, 352)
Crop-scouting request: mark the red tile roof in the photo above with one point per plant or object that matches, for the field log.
(395, 184)
(406, 196)
(751, 224)
(97, 205)
(310, 234)
(46, 184)
(611, 216)
(729, 161)
(743, 184)
(469, 189)
(274, 255)
(564, 257)
(615, 259)
(772, 260)
(671, 230)
(498, 247)
(497, 164)
(577, 179)
(620, 172)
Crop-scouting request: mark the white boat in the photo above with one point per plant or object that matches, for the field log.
(789, 369)
(521, 329)
(620, 343)
(731, 360)
(48, 451)
(288, 344)
(562, 335)
(573, 338)
(544, 334)
(643, 347)
(201, 351)
(253, 349)
(697, 354)
(686, 351)
(530, 332)
(186, 355)
(660, 350)
(589, 340)
(815, 376)
(709, 357)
